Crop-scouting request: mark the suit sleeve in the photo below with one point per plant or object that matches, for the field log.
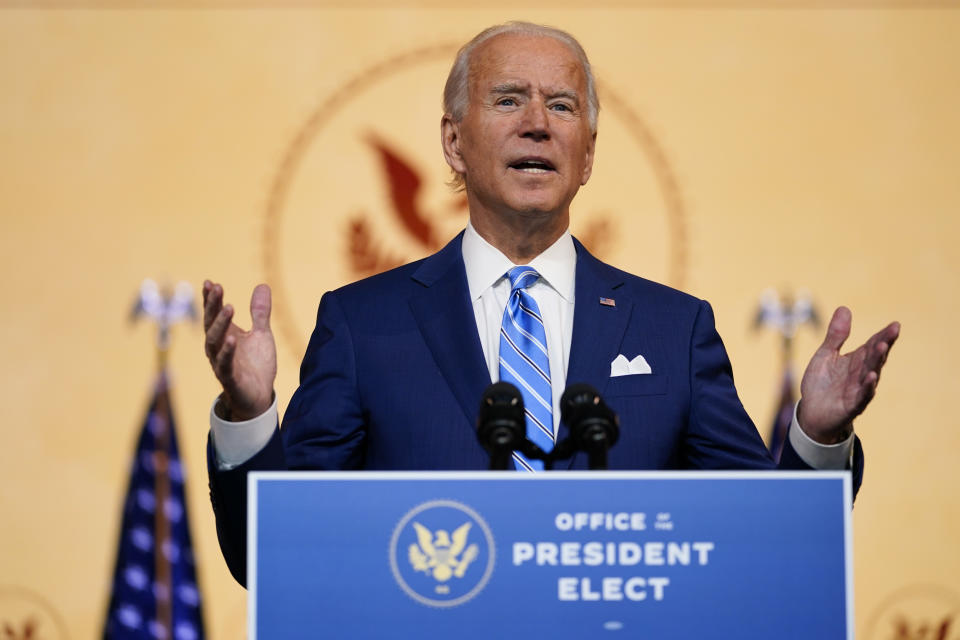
(322, 429)
(324, 426)
(721, 435)
(228, 496)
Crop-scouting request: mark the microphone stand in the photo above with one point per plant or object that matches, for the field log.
(596, 443)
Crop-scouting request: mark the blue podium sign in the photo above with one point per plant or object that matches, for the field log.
(679, 555)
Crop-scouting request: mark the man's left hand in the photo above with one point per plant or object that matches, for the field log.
(837, 388)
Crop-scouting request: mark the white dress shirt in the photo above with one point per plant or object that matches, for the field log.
(489, 288)
(554, 293)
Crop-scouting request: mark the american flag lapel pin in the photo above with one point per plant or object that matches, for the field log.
(608, 302)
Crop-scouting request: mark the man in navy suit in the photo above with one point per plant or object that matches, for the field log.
(396, 366)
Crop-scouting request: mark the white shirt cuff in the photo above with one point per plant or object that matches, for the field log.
(236, 442)
(825, 457)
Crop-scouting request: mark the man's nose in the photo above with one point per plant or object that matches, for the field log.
(535, 123)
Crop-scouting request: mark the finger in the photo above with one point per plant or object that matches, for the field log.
(880, 344)
(838, 330)
(218, 332)
(876, 356)
(260, 304)
(891, 332)
(867, 390)
(888, 334)
(212, 304)
(206, 289)
(223, 363)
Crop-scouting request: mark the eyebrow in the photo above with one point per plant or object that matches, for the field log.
(510, 87)
(516, 87)
(564, 93)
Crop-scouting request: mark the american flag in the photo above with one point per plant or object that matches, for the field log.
(786, 314)
(783, 416)
(155, 592)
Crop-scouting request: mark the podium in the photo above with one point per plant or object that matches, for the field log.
(660, 555)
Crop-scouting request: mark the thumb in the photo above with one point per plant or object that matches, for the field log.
(260, 307)
(839, 329)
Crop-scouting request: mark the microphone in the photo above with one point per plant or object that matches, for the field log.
(501, 426)
(594, 427)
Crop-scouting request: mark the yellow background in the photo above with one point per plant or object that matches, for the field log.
(813, 148)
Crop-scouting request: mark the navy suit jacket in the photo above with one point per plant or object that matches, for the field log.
(394, 373)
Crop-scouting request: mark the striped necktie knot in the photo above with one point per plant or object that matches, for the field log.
(521, 278)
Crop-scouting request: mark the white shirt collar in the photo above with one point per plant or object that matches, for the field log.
(486, 264)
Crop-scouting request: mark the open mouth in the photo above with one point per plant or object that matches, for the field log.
(532, 165)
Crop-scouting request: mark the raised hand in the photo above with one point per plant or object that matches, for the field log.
(837, 388)
(245, 362)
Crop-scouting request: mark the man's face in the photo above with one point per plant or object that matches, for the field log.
(524, 146)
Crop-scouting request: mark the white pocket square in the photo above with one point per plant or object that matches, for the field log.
(623, 367)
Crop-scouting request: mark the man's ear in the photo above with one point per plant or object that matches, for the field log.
(450, 141)
(588, 164)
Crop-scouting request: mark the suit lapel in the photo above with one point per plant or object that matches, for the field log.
(598, 328)
(446, 320)
(444, 315)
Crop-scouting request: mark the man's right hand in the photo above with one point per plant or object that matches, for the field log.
(245, 362)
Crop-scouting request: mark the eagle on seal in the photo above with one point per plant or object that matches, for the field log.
(439, 553)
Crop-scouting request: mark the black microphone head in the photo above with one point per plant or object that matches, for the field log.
(592, 423)
(577, 396)
(501, 425)
(500, 394)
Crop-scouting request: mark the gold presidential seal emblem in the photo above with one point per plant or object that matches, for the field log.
(442, 553)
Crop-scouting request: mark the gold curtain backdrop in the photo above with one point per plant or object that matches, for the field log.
(741, 146)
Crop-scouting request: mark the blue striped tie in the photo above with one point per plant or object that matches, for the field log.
(524, 362)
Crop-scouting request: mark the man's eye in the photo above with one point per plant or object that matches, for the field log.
(507, 102)
(560, 106)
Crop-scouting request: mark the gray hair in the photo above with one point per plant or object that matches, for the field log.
(456, 92)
